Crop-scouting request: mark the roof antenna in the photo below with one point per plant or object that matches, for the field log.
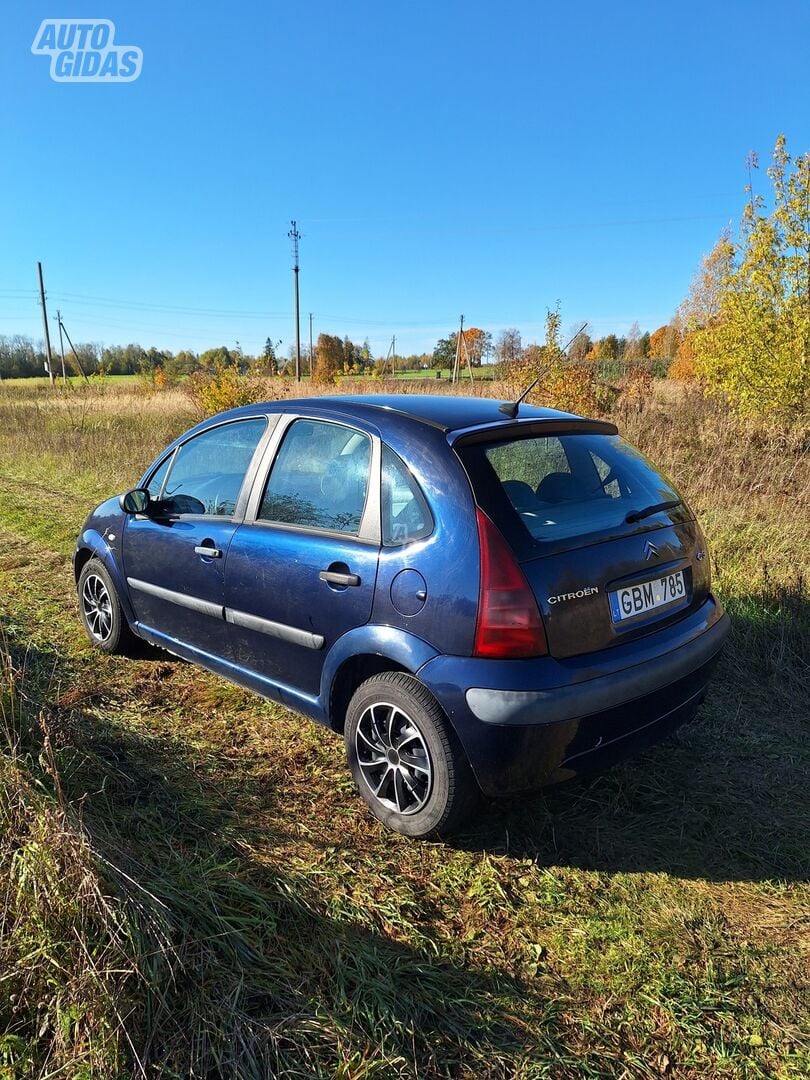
(510, 408)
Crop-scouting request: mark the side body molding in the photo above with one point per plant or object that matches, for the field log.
(193, 603)
(236, 618)
(275, 629)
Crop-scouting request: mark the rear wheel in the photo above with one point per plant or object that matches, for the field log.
(102, 617)
(405, 758)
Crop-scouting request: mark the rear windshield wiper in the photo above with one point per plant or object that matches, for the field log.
(637, 515)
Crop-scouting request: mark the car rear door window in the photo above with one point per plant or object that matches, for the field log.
(207, 472)
(405, 513)
(319, 479)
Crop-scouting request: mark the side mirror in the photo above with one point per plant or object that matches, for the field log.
(135, 501)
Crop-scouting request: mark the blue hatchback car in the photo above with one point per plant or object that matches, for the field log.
(478, 601)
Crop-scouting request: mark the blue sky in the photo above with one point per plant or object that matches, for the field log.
(439, 157)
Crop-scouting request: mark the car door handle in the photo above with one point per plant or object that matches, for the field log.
(332, 577)
(208, 552)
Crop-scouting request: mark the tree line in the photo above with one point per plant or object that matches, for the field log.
(22, 357)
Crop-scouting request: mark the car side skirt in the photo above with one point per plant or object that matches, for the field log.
(251, 680)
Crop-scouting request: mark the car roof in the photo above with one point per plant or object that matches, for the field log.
(455, 417)
(446, 412)
(449, 412)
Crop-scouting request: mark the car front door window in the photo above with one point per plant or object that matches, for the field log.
(206, 473)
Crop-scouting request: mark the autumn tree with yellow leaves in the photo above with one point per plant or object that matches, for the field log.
(747, 320)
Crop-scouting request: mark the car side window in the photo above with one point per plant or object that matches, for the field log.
(155, 484)
(405, 513)
(319, 479)
(206, 473)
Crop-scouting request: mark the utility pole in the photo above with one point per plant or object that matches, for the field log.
(461, 343)
(61, 344)
(295, 236)
(392, 352)
(45, 323)
(454, 372)
(310, 344)
(63, 328)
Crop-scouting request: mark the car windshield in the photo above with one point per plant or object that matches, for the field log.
(557, 487)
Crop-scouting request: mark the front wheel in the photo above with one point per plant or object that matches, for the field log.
(406, 759)
(102, 617)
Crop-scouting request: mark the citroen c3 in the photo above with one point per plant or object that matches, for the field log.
(479, 598)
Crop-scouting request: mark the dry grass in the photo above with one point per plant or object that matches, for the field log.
(191, 888)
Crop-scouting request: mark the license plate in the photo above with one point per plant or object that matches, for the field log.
(649, 595)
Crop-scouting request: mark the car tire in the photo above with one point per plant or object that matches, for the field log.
(101, 613)
(406, 759)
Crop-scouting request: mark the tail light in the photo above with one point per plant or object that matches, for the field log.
(509, 626)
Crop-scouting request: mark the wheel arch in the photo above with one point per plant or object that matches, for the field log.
(351, 674)
(80, 560)
(92, 545)
(365, 651)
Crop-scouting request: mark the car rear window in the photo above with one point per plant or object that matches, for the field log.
(549, 489)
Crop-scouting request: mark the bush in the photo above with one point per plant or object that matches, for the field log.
(563, 383)
(221, 387)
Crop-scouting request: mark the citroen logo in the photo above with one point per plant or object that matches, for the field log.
(650, 551)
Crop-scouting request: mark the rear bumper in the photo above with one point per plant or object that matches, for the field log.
(527, 723)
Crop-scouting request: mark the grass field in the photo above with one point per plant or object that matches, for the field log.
(481, 374)
(39, 382)
(191, 888)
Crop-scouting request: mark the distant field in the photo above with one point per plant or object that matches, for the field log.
(42, 382)
(482, 374)
(192, 887)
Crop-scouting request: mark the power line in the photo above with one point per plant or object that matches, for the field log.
(382, 227)
(86, 300)
(101, 324)
(137, 305)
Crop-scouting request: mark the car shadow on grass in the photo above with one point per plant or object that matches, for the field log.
(726, 798)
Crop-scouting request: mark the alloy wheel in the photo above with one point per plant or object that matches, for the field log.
(393, 758)
(97, 607)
